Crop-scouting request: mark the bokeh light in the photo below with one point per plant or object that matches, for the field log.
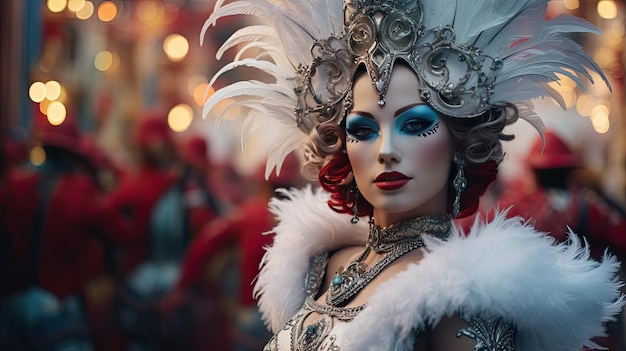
(53, 90)
(200, 94)
(607, 9)
(567, 88)
(179, 118)
(571, 4)
(601, 108)
(176, 47)
(107, 11)
(150, 11)
(57, 5)
(37, 91)
(86, 11)
(600, 121)
(43, 106)
(56, 113)
(194, 81)
(37, 156)
(103, 61)
(75, 5)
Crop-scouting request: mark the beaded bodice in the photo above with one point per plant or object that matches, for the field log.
(324, 334)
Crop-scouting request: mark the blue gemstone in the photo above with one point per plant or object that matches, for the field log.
(498, 63)
(337, 280)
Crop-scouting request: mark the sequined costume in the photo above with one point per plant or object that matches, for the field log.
(501, 274)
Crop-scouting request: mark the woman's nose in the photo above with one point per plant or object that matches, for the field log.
(388, 152)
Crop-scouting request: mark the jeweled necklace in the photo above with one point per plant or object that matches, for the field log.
(395, 241)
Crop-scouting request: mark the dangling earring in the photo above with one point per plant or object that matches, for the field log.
(355, 208)
(459, 183)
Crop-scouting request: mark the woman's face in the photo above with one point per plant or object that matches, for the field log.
(400, 152)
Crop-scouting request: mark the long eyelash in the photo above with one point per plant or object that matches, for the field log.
(431, 131)
(351, 139)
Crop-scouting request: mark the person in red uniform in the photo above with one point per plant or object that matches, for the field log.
(200, 199)
(155, 199)
(51, 215)
(140, 189)
(554, 198)
(245, 229)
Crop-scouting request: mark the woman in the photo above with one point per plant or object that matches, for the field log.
(402, 114)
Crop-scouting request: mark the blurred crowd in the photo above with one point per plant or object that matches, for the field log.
(159, 254)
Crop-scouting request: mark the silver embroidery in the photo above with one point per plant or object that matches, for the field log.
(491, 334)
(315, 274)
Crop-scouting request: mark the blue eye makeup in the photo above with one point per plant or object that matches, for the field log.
(413, 120)
(420, 120)
(361, 128)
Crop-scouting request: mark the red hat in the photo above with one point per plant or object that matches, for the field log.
(556, 154)
(65, 135)
(152, 127)
(195, 152)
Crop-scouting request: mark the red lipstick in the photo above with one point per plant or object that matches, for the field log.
(391, 180)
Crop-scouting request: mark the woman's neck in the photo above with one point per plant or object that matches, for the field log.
(386, 219)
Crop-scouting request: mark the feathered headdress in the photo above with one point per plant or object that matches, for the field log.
(469, 55)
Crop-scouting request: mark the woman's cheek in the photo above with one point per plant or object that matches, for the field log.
(436, 149)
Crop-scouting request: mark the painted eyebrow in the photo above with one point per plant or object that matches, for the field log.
(396, 114)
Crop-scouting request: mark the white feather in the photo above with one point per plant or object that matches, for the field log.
(534, 50)
(555, 294)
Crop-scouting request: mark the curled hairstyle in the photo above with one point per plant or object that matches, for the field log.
(478, 139)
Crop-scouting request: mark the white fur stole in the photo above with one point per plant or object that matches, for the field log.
(555, 294)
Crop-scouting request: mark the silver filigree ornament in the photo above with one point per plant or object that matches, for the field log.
(455, 79)
(490, 334)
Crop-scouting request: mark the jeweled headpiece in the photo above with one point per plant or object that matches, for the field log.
(469, 55)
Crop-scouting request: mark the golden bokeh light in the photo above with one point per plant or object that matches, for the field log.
(43, 106)
(571, 4)
(150, 11)
(194, 81)
(103, 60)
(37, 91)
(53, 90)
(75, 5)
(566, 87)
(107, 11)
(179, 118)
(63, 96)
(57, 5)
(37, 156)
(86, 11)
(56, 113)
(200, 95)
(176, 47)
(600, 121)
(601, 108)
(607, 9)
